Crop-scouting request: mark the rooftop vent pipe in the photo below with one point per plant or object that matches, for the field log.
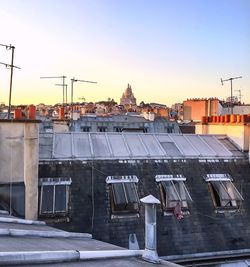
(150, 252)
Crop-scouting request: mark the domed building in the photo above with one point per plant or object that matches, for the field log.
(128, 98)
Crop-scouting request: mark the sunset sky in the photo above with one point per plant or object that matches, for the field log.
(168, 50)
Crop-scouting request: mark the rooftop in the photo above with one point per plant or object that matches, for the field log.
(88, 146)
(25, 242)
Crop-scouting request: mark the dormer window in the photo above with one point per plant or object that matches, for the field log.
(124, 200)
(54, 196)
(223, 192)
(174, 192)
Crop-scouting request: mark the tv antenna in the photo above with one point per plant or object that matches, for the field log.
(11, 66)
(240, 95)
(72, 87)
(57, 77)
(65, 94)
(231, 81)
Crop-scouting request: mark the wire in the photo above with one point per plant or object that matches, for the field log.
(93, 197)
(11, 174)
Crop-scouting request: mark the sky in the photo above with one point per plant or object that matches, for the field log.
(168, 50)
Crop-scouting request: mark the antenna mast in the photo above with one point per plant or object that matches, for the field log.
(12, 48)
(63, 83)
(231, 80)
(240, 95)
(72, 85)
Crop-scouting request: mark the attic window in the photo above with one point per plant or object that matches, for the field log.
(54, 196)
(224, 194)
(124, 199)
(173, 192)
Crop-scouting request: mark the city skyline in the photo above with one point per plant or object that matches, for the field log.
(168, 51)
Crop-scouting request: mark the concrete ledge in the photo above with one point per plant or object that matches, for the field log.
(103, 254)
(36, 233)
(15, 258)
(35, 257)
(4, 212)
(21, 221)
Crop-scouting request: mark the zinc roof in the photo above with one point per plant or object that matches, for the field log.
(85, 146)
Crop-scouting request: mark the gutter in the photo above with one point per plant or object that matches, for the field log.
(206, 257)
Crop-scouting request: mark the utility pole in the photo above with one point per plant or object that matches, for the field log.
(240, 95)
(58, 77)
(231, 81)
(72, 85)
(8, 47)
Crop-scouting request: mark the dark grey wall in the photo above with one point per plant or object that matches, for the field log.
(202, 230)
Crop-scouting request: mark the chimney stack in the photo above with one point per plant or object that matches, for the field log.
(150, 251)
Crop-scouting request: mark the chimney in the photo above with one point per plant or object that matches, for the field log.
(32, 112)
(150, 251)
(17, 114)
(61, 113)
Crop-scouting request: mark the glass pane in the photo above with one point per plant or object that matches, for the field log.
(47, 199)
(221, 191)
(176, 192)
(16, 201)
(60, 198)
(131, 192)
(183, 192)
(232, 191)
(171, 192)
(118, 193)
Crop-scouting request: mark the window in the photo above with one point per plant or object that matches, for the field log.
(12, 198)
(173, 192)
(85, 128)
(102, 129)
(48, 128)
(124, 199)
(224, 193)
(54, 196)
(118, 129)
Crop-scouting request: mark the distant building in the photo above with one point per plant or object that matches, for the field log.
(237, 109)
(236, 127)
(195, 109)
(128, 98)
(120, 123)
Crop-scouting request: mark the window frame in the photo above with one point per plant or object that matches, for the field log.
(223, 183)
(133, 206)
(167, 208)
(54, 182)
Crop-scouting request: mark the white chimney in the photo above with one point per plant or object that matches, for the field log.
(150, 251)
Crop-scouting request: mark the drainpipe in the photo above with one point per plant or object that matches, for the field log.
(150, 252)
